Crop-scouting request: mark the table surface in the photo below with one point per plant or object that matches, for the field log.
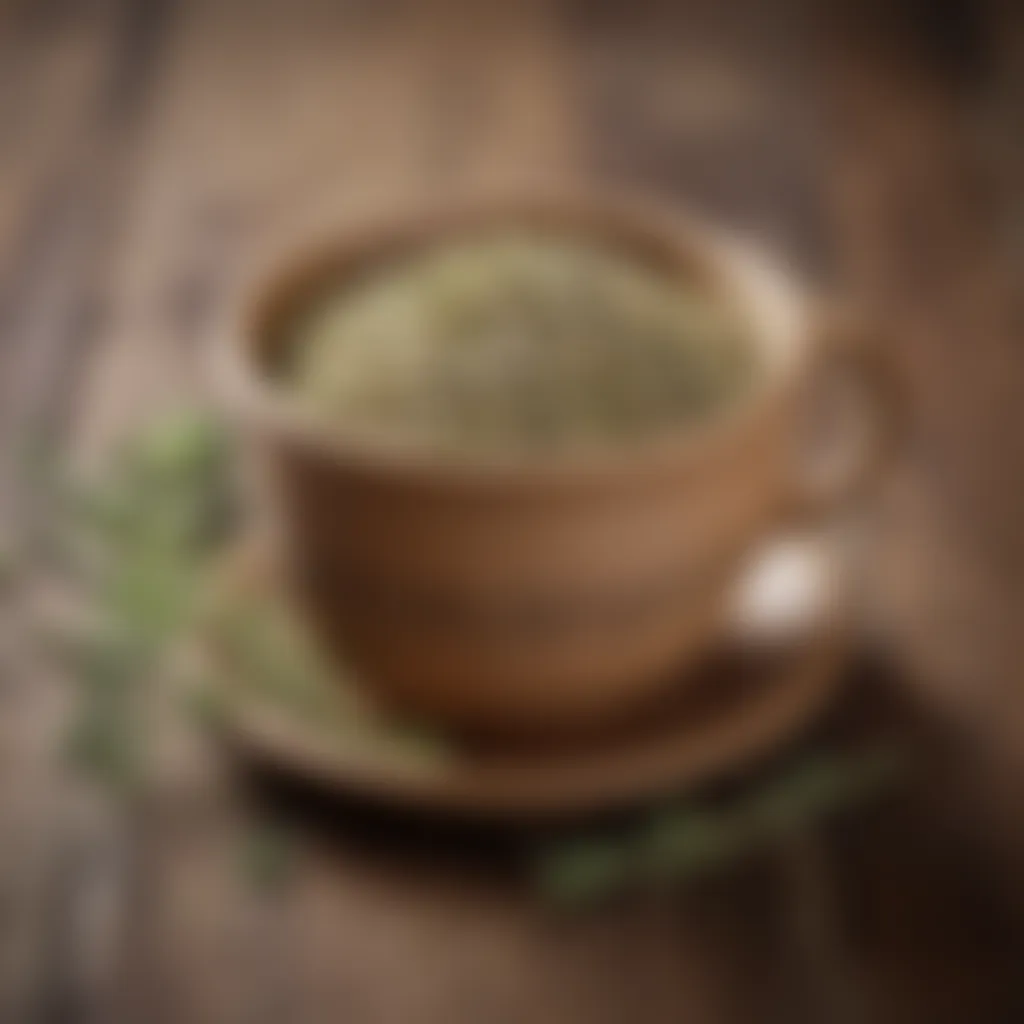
(148, 147)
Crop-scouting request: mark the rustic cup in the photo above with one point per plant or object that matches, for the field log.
(511, 596)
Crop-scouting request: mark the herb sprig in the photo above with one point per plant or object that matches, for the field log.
(129, 544)
(683, 843)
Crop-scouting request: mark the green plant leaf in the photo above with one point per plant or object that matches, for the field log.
(268, 857)
(584, 871)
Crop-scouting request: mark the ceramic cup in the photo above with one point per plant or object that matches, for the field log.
(508, 596)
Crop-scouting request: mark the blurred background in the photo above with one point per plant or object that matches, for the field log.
(148, 149)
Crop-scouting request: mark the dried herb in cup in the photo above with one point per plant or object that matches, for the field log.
(517, 341)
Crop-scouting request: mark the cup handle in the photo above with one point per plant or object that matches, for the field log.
(853, 385)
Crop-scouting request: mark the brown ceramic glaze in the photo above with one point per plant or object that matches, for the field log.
(737, 707)
(510, 596)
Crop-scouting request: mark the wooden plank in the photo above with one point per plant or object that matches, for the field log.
(49, 79)
(55, 310)
(915, 224)
(59, 886)
(194, 933)
(53, 79)
(54, 75)
(471, 943)
(922, 194)
(713, 105)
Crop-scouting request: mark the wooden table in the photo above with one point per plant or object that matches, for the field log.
(148, 147)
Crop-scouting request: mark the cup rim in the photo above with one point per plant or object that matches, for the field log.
(760, 283)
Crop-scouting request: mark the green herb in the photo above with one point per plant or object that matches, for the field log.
(259, 639)
(682, 843)
(206, 705)
(268, 857)
(518, 341)
(579, 873)
(131, 543)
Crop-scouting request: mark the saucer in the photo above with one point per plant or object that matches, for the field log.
(767, 681)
